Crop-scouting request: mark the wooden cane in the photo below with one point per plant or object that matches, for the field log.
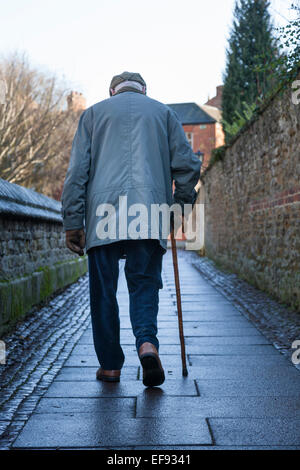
(179, 309)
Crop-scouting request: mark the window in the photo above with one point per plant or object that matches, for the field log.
(189, 136)
(203, 126)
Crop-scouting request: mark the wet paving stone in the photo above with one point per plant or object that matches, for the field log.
(166, 448)
(260, 362)
(87, 374)
(256, 431)
(165, 349)
(225, 340)
(207, 330)
(229, 323)
(96, 389)
(289, 373)
(209, 316)
(149, 406)
(280, 324)
(236, 350)
(260, 387)
(85, 429)
(239, 390)
(207, 350)
(130, 360)
(36, 351)
(191, 307)
(129, 340)
(102, 405)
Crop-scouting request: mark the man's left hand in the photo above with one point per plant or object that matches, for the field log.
(75, 241)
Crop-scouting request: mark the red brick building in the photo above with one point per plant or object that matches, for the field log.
(202, 125)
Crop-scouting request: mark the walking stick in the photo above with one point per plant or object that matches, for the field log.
(178, 298)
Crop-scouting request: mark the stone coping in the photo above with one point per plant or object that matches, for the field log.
(17, 201)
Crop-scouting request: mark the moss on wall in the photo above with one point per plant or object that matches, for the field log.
(19, 295)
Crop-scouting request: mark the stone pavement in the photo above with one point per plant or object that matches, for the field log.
(240, 392)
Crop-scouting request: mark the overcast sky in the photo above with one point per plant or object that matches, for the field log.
(178, 46)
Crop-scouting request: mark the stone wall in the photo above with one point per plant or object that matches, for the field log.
(252, 202)
(34, 261)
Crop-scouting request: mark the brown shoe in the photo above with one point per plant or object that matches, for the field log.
(108, 375)
(153, 373)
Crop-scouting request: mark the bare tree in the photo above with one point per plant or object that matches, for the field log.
(36, 128)
(49, 178)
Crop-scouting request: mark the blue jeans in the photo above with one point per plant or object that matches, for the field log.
(143, 274)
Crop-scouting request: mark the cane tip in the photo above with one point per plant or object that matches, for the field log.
(185, 372)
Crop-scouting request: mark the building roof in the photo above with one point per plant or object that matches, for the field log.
(191, 113)
(212, 111)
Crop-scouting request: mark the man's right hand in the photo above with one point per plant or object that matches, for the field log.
(75, 241)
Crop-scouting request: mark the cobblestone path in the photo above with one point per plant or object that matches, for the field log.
(241, 392)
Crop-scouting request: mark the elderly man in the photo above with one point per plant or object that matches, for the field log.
(128, 150)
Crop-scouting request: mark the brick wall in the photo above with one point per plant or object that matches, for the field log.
(252, 202)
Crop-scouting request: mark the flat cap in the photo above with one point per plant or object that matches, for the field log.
(126, 76)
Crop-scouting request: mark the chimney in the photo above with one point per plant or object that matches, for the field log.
(76, 101)
(217, 100)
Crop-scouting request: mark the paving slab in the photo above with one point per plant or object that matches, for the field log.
(92, 430)
(152, 406)
(190, 307)
(200, 330)
(260, 387)
(87, 374)
(261, 362)
(208, 350)
(170, 349)
(235, 350)
(240, 393)
(214, 329)
(210, 448)
(209, 316)
(88, 339)
(233, 322)
(194, 290)
(256, 431)
(200, 295)
(216, 304)
(226, 340)
(96, 389)
(103, 405)
(130, 360)
(165, 314)
(289, 373)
